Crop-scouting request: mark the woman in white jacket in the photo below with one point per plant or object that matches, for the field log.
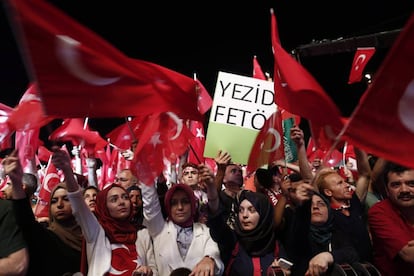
(113, 245)
(178, 240)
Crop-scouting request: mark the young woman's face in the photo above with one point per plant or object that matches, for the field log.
(248, 215)
(319, 211)
(60, 207)
(180, 207)
(118, 203)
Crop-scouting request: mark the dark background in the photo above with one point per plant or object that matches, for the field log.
(205, 37)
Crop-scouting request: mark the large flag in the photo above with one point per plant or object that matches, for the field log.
(299, 93)
(50, 180)
(80, 75)
(383, 121)
(29, 114)
(268, 145)
(361, 59)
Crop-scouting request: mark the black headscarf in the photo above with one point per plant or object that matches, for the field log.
(321, 234)
(261, 240)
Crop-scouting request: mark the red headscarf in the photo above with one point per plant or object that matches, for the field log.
(117, 231)
(167, 203)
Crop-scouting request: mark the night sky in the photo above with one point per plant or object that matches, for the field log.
(205, 37)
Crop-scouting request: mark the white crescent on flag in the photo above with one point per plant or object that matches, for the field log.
(405, 107)
(67, 53)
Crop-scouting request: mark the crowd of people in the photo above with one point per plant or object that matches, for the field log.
(297, 219)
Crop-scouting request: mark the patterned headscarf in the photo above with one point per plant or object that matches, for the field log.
(190, 193)
(117, 231)
(261, 240)
(67, 230)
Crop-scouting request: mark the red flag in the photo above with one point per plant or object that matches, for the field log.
(5, 130)
(81, 75)
(29, 114)
(43, 153)
(73, 130)
(299, 93)
(268, 145)
(204, 101)
(196, 152)
(383, 121)
(50, 181)
(124, 135)
(361, 59)
(257, 70)
(27, 142)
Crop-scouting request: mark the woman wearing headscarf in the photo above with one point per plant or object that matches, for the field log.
(113, 246)
(179, 241)
(55, 250)
(311, 242)
(253, 240)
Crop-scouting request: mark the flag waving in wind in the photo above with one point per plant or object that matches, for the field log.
(269, 144)
(299, 93)
(361, 58)
(383, 121)
(81, 75)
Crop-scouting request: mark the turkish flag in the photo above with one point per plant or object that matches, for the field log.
(204, 101)
(27, 142)
(257, 70)
(43, 153)
(383, 121)
(5, 130)
(268, 145)
(196, 153)
(29, 114)
(299, 93)
(361, 59)
(73, 130)
(50, 180)
(124, 135)
(81, 75)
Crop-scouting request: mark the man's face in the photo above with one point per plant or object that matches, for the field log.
(136, 200)
(400, 188)
(233, 178)
(125, 179)
(190, 176)
(339, 189)
(7, 191)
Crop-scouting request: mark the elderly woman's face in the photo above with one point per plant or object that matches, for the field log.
(248, 215)
(319, 211)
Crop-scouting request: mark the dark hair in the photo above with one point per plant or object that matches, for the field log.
(275, 170)
(295, 177)
(395, 168)
(133, 188)
(30, 180)
(90, 187)
(181, 271)
(264, 177)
